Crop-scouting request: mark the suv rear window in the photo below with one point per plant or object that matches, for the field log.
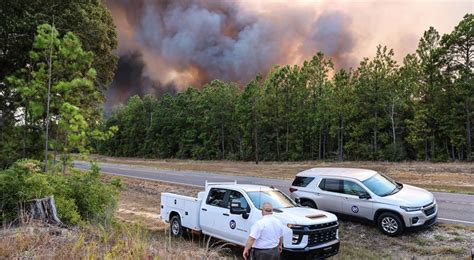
(302, 181)
(331, 185)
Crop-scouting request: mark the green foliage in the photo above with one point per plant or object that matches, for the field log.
(79, 196)
(74, 100)
(23, 100)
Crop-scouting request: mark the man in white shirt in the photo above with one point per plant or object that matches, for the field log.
(266, 237)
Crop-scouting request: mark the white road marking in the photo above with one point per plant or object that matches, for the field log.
(455, 220)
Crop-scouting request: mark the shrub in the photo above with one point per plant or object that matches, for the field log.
(67, 211)
(95, 200)
(79, 196)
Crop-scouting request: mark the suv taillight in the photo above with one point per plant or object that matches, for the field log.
(293, 190)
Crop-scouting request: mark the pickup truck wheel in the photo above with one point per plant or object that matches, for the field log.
(309, 204)
(390, 224)
(175, 226)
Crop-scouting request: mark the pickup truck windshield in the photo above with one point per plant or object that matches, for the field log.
(275, 197)
(381, 185)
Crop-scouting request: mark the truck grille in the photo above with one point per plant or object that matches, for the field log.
(430, 211)
(324, 235)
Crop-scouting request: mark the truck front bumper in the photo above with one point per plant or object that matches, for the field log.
(317, 252)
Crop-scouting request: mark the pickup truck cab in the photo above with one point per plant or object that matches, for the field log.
(227, 211)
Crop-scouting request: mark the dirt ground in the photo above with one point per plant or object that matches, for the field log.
(140, 203)
(447, 177)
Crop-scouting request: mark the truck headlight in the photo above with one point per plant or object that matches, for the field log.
(410, 209)
(295, 239)
(292, 226)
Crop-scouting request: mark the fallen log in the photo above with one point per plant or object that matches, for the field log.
(39, 209)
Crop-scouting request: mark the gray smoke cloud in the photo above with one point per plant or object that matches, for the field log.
(183, 43)
(189, 43)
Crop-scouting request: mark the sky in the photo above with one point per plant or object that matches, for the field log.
(166, 46)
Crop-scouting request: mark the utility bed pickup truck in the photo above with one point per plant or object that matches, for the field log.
(227, 211)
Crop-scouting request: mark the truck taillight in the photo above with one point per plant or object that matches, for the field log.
(293, 190)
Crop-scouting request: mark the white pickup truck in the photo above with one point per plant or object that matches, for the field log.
(227, 211)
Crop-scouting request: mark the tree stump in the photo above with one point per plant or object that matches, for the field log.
(39, 209)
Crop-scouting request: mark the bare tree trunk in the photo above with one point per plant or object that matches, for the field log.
(278, 144)
(392, 119)
(468, 129)
(222, 141)
(287, 134)
(375, 136)
(254, 113)
(39, 209)
(433, 147)
(319, 145)
(25, 131)
(342, 140)
(46, 134)
(426, 148)
(324, 143)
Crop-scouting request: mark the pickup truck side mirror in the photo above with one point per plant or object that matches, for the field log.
(236, 208)
(364, 196)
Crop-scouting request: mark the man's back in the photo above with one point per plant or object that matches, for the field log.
(267, 232)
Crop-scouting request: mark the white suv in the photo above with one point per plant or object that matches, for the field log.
(366, 194)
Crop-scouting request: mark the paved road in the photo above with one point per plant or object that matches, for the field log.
(453, 207)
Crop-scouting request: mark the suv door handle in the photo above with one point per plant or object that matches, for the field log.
(225, 214)
(203, 209)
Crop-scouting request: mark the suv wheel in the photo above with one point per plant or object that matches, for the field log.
(390, 224)
(175, 226)
(309, 204)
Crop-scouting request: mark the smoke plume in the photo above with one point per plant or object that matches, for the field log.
(167, 46)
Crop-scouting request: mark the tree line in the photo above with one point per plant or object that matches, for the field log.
(421, 109)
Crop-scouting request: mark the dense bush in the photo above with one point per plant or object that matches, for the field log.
(79, 196)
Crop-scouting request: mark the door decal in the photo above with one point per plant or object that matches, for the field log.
(355, 209)
(232, 224)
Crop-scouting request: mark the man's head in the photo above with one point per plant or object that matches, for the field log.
(267, 208)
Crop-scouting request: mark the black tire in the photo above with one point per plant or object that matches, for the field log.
(176, 229)
(390, 224)
(309, 204)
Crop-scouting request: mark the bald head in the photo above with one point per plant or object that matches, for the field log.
(267, 208)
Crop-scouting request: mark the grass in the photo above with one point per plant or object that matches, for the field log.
(119, 241)
(457, 177)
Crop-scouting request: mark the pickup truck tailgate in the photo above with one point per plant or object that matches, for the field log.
(187, 208)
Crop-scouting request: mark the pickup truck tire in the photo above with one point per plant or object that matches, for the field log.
(309, 204)
(390, 224)
(175, 226)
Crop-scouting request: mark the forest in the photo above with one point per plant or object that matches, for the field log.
(421, 109)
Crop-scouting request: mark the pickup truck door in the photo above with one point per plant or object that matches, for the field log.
(238, 227)
(352, 204)
(214, 214)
